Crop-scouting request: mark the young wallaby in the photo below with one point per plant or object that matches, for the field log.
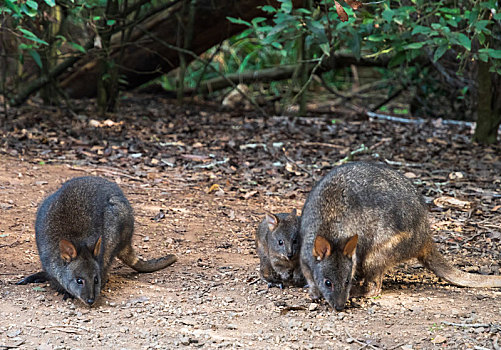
(277, 244)
(79, 230)
(360, 220)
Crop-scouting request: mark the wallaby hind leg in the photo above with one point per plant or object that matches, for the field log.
(39, 277)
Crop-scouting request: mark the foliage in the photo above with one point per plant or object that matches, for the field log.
(409, 33)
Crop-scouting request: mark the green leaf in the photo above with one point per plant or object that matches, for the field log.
(51, 3)
(439, 52)
(421, 30)
(268, 8)
(464, 41)
(286, 5)
(30, 36)
(32, 4)
(277, 45)
(326, 49)
(13, 7)
(110, 22)
(414, 46)
(376, 37)
(238, 21)
(388, 15)
(77, 47)
(397, 60)
(495, 54)
(39, 289)
(36, 57)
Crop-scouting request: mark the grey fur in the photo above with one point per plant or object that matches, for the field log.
(82, 211)
(278, 249)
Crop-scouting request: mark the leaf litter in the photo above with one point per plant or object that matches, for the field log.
(200, 179)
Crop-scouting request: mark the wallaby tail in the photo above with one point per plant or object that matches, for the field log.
(130, 258)
(433, 260)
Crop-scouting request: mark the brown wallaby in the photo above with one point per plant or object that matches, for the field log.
(360, 220)
(79, 230)
(277, 244)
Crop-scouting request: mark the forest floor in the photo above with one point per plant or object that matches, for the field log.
(200, 179)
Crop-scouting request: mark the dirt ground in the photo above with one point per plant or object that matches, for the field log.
(212, 296)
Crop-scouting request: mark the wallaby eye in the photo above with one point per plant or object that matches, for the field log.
(328, 283)
(96, 281)
(280, 242)
(79, 281)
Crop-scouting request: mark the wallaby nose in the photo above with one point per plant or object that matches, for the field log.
(290, 256)
(90, 301)
(340, 307)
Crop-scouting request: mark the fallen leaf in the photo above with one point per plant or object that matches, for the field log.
(439, 339)
(214, 188)
(451, 202)
(195, 157)
(249, 194)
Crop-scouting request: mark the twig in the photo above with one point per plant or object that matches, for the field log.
(349, 157)
(473, 325)
(112, 172)
(213, 164)
(319, 63)
(13, 346)
(322, 144)
(254, 281)
(296, 164)
(364, 345)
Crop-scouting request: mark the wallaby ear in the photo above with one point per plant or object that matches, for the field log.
(67, 250)
(321, 248)
(350, 246)
(97, 247)
(271, 221)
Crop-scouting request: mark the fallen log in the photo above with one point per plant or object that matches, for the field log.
(147, 58)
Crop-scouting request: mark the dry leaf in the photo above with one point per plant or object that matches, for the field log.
(451, 202)
(439, 339)
(343, 16)
(214, 188)
(354, 4)
(249, 194)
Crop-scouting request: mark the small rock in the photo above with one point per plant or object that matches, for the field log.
(313, 306)
(185, 341)
(406, 347)
(439, 339)
(13, 333)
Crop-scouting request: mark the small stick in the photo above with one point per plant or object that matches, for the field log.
(364, 345)
(474, 325)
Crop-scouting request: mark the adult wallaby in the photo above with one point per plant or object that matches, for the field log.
(360, 220)
(79, 230)
(277, 245)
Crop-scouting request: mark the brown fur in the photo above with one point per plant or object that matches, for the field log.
(360, 220)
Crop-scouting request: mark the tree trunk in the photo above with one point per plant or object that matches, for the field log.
(150, 51)
(489, 108)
